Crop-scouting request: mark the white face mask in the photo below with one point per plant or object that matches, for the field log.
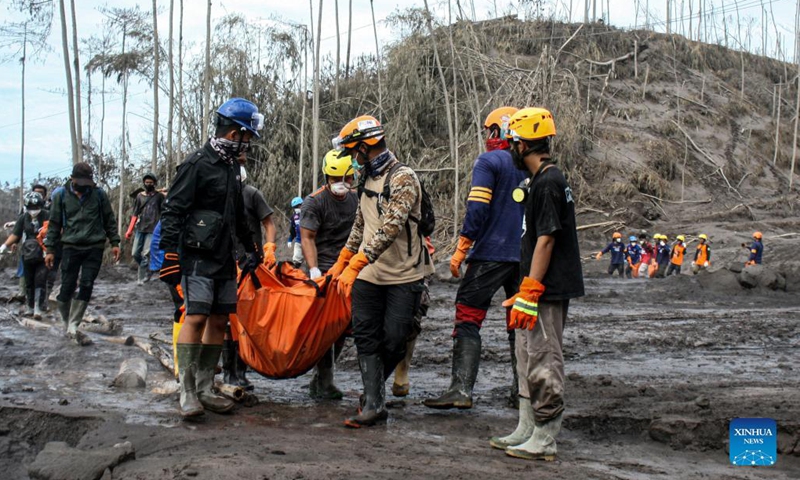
(242, 173)
(663, 243)
(34, 213)
(297, 211)
(340, 188)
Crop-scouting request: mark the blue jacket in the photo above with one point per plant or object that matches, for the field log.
(617, 250)
(294, 228)
(493, 219)
(756, 250)
(662, 257)
(634, 252)
(156, 254)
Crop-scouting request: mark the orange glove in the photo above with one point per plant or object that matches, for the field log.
(525, 304)
(269, 254)
(130, 228)
(599, 255)
(341, 263)
(749, 263)
(459, 255)
(348, 277)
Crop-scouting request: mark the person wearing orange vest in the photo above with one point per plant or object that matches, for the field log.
(676, 256)
(702, 255)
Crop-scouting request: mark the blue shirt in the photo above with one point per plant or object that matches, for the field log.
(662, 257)
(156, 254)
(756, 250)
(493, 219)
(617, 250)
(634, 252)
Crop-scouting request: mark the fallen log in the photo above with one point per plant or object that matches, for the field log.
(132, 374)
(127, 341)
(236, 394)
(164, 358)
(35, 324)
(599, 225)
(158, 337)
(113, 329)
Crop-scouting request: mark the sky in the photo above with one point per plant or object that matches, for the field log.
(47, 143)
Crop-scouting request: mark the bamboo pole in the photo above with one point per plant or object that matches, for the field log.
(207, 75)
(777, 125)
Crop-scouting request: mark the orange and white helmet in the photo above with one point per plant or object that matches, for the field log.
(363, 129)
(499, 118)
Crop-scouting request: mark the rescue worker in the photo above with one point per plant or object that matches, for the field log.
(26, 230)
(662, 255)
(756, 250)
(146, 214)
(325, 222)
(551, 266)
(203, 213)
(618, 252)
(386, 261)
(648, 263)
(633, 253)
(258, 215)
(81, 220)
(676, 256)
(52, 275)
(702, 255)
(492, 229)
(295, 242)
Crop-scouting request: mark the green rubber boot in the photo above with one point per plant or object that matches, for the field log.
(209, 357)
(188, 355)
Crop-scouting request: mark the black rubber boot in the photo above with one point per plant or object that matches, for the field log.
(513, 395)
(466, 358)
(229, 371)
(322, 384)
(374, 409)
(241, 370)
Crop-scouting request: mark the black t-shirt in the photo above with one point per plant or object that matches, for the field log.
(257, 210)
(550, 210)
(332, 218)
(148, 209)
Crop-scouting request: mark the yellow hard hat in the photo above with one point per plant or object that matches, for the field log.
(681, 238)
(703, 236)
(365, 128)
(336, 166)
(532, 123)
(657, 236)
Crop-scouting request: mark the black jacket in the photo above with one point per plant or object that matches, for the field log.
(84, 222)
(206, 182)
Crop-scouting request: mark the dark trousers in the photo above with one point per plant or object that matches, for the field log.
(383, 319)
(616, 267)
(673, 269)
(35, 278)
(79, 263)
(52, 275)
(474, 297)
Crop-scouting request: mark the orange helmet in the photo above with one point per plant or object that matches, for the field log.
(366, 129)
(616, 235)
(758, 236)
(500, 117)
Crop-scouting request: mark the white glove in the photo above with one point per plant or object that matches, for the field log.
(314, 273)
(693, 264)
(3, 248)
(705, 264)
(289, 244)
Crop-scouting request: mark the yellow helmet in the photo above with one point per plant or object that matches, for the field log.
(703, 236)
(365, 128)
(656, 236)
(532, 123)
(681, 238)
(500, 117)
(335, 166)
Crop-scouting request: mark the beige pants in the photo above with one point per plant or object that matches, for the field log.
(540, 361)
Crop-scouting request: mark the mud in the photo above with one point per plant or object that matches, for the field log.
(655, 371)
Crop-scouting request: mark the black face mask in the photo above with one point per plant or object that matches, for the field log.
(150, 188)
(518, 158)
(82, 189)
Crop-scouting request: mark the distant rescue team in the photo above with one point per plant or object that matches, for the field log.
(367, 231)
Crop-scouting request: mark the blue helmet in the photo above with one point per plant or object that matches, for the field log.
(241, 112)
(296, 202)
(633, 238)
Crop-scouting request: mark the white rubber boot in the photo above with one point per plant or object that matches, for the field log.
(524, 428)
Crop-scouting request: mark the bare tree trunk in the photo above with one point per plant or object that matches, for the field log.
(668, 18)
(338, 53)
(436, 59)
(585, 11)
(154, 156)
(777, 126)
(77, 66)
(378, 56)
(349, 39)
(23, 61)
(102, 125)
(315, 105)
(304, 92)
(171, 92)
(180, 81)
(797, 102)
(124, 156)
(207, 76)
(70, 90)
(455, 122)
